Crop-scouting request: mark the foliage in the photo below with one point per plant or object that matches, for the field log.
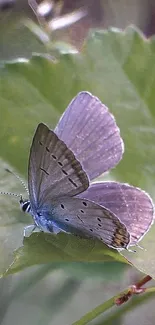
(116, 66)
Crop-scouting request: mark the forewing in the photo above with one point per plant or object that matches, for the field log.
(80, 216)
(90, 131)
(53, 169)
(131, 205)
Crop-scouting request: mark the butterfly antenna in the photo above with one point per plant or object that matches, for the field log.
(12, 194)
(22, 182)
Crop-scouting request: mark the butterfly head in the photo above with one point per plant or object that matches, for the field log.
(25, 205)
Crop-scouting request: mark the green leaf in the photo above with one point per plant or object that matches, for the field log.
(116, 66)
(15, 38)
(42, 248)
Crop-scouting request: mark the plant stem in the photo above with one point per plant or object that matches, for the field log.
(113, 301)
(98, 310)
(143, 281)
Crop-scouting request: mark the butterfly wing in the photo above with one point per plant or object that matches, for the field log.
(53, 169)
(90, 131)
(131, 205)
(86, 218)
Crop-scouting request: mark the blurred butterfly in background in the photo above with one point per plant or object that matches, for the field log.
(85, 143)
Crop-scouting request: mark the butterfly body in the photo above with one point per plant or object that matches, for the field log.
(41, 218)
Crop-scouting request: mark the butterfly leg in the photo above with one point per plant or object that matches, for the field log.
(28, 230)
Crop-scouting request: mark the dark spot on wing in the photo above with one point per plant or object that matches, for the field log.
(84, 203)
(99, 219)
(64, 172)
(91, 230)
(72, 182)
(60, 164)
(62, 206)
(54, 157)
(99, 225)
(47, 149)
(44, 171)
(122, 244)
(82, 211)
(134, 236)
(66, 219)
(40, 143)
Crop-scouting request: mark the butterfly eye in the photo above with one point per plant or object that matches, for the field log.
(25, 206)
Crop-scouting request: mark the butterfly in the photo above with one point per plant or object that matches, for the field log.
(85, 143)
(56, 176)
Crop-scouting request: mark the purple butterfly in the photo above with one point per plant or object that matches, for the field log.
(86, 143)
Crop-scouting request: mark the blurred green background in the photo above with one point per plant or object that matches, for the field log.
(119, 68)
